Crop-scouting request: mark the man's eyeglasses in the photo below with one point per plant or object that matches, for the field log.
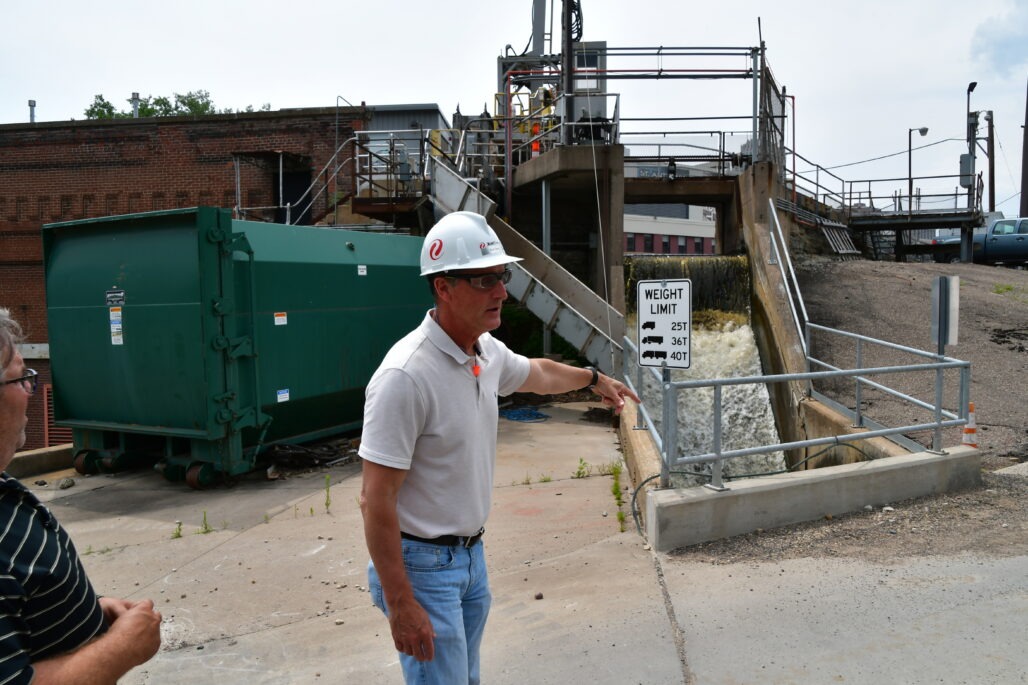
(29, 381)
(486, 281)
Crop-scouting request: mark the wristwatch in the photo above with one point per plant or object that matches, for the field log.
(594, 379)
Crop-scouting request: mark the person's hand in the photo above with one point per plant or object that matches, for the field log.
(613, 392)
(412, 630)
(136, 626)
(114, 607)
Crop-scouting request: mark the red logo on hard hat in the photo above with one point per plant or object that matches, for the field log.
(435, 250)
(482, 246)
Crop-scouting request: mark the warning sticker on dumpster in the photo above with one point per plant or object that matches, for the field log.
(281, 318)
(282, 395)
(117, 336)
(664, 309)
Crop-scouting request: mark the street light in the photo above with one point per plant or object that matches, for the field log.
(910, 169)
(972, 133)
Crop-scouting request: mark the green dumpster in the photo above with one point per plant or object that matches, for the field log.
(192, 340)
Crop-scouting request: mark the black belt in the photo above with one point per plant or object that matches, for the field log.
(448, 540)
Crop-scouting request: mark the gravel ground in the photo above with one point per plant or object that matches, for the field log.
(892, 301)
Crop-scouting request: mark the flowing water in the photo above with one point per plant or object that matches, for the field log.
(724, 349)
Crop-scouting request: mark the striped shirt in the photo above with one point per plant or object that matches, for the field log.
(47, 604)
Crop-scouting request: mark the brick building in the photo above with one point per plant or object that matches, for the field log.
(62, 171)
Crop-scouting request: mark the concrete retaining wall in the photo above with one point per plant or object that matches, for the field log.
(678, 518)
(43, 460)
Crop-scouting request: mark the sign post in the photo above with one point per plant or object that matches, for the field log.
(664, 310)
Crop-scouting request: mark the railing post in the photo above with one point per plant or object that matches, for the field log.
(809, 353)
(937, 433)
(965, 392)
(858, 419)
(716, 482)
(667, 411)
(639, 425)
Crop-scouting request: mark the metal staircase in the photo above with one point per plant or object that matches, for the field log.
(835, 233)
(564, 304)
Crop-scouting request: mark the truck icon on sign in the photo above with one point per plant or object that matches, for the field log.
(653, 339)
(654, 354)
(649, 325)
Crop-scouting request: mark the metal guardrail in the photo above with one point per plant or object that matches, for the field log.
(792, 285)
(666, 440)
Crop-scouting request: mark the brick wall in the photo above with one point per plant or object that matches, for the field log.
(62, 171)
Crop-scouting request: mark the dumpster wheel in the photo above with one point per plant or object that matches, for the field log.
(199, 476)
(87, 462)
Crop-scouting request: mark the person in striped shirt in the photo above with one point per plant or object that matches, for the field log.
(53, 627)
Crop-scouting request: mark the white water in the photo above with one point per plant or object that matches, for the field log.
(747, 418)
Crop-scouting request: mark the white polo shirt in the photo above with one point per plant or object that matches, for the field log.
(426, 412)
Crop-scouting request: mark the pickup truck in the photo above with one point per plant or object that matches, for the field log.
(1005, 243)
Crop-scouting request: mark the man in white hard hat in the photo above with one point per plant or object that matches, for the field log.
(53, 628)
(429, 449)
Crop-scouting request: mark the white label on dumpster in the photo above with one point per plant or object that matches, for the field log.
(281, 318)
(665, 320)
(282, 395)
(362, 269)
(117, 335)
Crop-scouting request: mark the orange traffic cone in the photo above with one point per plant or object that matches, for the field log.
(971, 429)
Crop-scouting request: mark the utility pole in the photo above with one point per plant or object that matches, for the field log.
(1024, 161)
(990, 150)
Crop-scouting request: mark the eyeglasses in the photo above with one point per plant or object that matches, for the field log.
(486, 281)
(29, 381)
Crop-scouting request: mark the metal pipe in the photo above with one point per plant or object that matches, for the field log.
(889, 391)
(813, 442)
(718, 466)
(756, 107)
(837, 373)
(883, 343)
(937, 434)
(667, 395)
(859, 419)
(545, 192)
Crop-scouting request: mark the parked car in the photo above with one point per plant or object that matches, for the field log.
(1004, 243)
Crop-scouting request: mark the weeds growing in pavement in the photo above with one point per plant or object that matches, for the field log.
(204, 526)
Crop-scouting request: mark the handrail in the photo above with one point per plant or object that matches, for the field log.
(666, 441)
(791, 283)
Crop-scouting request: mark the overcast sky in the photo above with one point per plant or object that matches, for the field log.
(862, 73)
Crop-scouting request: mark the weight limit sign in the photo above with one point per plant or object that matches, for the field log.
(665, 322)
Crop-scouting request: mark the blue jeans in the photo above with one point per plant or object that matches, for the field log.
(452, 585)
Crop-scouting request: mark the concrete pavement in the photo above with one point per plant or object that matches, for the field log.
(273, 591)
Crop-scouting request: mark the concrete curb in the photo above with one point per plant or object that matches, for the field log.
(43, 460)
(682, 517)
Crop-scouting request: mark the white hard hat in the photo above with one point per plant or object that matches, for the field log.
(462, 240)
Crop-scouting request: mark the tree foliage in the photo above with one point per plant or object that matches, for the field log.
(195, 102)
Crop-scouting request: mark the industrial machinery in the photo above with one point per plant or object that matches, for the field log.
(192, 340)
